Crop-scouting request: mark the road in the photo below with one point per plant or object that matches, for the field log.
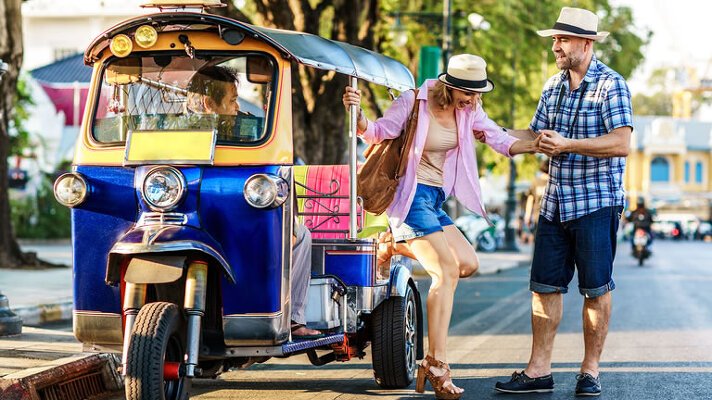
(659, 345)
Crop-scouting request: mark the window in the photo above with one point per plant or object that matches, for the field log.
(230, 94)
(698, 172)
(659, 170)
(687, 172)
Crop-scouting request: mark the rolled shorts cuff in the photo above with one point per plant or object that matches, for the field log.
(537, 287)
(405, 233)
(599, 291)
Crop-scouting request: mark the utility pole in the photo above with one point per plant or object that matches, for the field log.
(447, 32)
(10, 324)
(510, 242)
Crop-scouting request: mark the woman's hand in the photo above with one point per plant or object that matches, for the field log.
(351, 97)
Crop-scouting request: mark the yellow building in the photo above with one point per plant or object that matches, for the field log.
(670, 165)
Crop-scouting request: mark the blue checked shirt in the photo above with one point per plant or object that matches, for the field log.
(579, 185)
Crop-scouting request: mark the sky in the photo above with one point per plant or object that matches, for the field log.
(682, 30)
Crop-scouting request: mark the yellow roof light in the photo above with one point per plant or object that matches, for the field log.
(146, 36)
(121, 45)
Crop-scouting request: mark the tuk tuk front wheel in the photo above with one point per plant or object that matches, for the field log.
(155, 341)
(394, 341)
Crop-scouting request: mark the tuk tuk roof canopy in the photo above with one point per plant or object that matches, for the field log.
(305, 48)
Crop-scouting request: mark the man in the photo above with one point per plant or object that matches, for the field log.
(583, 123)
(301, 275)
(641, 218)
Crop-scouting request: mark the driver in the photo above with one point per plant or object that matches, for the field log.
(212, 95)
(641, 218)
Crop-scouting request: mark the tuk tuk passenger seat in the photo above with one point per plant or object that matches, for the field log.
(323, 203)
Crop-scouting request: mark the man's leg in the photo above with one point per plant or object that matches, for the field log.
(596, 314)
(547, 309)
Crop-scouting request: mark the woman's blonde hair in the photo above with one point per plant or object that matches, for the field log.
(442, 94)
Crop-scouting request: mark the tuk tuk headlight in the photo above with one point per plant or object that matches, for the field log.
(163, 188)
(70, 189)
(266, 191)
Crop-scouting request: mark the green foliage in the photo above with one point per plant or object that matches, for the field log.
(659, 103)
(40, 217)
(19, 136)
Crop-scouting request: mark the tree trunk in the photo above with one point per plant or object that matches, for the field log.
(10, 52)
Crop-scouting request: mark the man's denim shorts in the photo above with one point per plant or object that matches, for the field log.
(587, 244)
(425, 216)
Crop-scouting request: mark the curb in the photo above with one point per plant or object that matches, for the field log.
(418, 271)
(71, 378)
(44, 313)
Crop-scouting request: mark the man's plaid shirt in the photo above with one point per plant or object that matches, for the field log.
(579, 185)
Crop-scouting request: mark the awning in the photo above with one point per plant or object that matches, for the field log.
(305, 48)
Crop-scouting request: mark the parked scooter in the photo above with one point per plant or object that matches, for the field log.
(641, 245)
(484, 236)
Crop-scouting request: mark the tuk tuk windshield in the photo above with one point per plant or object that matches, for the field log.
(228, 93)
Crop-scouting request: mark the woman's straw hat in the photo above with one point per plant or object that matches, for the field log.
(468, 73)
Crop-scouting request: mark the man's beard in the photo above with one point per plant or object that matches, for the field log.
(569, 62)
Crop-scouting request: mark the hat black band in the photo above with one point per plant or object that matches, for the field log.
(465, 83)
(573, 29)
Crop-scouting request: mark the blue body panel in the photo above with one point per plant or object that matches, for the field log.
(250, 239)
(109, 210)
(354, 268)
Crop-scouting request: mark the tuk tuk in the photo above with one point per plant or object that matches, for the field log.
(182, 223)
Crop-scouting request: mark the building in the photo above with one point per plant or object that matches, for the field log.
(55, 29)
(670, 165)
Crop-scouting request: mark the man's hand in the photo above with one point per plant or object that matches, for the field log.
(552, 143)
(480, 135)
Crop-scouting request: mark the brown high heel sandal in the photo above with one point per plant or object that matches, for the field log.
(437, 382)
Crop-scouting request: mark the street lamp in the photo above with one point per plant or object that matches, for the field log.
(10, 323)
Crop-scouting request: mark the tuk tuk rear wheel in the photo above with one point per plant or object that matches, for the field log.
(395, 341)
(155, 340)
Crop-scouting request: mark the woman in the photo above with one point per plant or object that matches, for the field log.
(441, 163)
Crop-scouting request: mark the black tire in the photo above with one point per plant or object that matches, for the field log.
(395, 341)
(155, 338)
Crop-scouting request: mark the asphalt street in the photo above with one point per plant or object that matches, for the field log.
(659, 345)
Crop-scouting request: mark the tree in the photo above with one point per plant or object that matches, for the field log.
(318, 119)
(10, 52)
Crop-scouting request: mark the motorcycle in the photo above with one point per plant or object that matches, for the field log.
(641, 243)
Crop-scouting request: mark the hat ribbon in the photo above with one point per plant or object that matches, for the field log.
(573, 29)
(466, 83)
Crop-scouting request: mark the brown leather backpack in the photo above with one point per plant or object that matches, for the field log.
(377, 178)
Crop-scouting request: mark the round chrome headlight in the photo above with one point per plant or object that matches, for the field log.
(263, 191)
(70, 189)
(163, 188)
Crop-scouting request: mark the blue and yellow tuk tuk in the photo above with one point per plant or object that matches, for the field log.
(182, 222)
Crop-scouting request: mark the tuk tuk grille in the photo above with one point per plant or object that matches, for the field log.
(156, 218)
(78, 388)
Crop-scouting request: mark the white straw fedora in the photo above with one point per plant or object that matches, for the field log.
(467, 72)
(576, 22)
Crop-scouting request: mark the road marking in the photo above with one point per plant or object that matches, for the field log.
(506, 311)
